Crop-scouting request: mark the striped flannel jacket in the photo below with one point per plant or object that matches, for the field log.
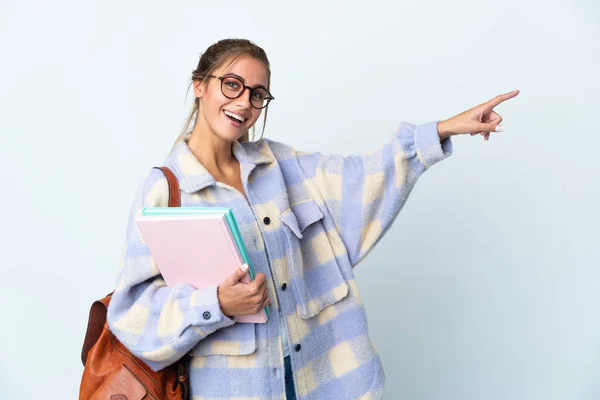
(308, 219)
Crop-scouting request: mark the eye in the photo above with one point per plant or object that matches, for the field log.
(232, 83)
(259, 94)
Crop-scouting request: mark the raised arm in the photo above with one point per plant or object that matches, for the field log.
(364, 193)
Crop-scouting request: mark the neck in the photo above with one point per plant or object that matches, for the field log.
(214, 153)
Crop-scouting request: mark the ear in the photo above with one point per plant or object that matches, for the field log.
(199, 88)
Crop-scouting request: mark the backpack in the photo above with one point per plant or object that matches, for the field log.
(113, 372)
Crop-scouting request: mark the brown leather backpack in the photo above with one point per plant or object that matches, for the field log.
(110, 371)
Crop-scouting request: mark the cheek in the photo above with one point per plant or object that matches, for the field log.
(256, 114)
(214, 102)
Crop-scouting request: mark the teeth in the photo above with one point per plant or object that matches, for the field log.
(241, 119)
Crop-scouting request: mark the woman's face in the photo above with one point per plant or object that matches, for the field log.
(215, 106)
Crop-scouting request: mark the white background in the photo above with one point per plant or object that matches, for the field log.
(486, 287)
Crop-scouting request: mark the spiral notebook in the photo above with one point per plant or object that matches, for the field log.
(200, 246)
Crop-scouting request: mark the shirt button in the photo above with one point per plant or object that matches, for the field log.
(284, 286)
(206, 315)
(298, 347)
(267, 220)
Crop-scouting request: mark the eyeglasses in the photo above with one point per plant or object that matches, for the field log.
(233, 87)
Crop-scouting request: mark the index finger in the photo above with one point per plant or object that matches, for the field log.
(502, 97)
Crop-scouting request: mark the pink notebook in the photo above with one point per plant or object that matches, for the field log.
(195, 249)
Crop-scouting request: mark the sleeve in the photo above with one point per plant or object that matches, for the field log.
(158, 324)
(364, 193)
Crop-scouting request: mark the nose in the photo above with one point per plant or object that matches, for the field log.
(243, 101)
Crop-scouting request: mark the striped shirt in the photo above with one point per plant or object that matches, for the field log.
(308, 220)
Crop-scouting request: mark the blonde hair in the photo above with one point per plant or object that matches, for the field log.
(212, 59)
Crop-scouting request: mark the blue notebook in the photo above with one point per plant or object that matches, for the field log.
(228, 212)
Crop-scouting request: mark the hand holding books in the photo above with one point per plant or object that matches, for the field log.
(240, 298)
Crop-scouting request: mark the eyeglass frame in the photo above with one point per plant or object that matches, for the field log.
(269, 97)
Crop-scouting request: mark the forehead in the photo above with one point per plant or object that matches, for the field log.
(252, 70)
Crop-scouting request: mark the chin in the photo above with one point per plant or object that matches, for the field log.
(229, 136)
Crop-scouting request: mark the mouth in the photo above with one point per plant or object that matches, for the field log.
(235, 119)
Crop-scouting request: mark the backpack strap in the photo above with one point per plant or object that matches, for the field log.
(97, 317)
(174, 192)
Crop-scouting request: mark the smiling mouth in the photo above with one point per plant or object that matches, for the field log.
(234, 117)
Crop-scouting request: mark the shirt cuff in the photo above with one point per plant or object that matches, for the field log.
(428, 146)
(208, 310)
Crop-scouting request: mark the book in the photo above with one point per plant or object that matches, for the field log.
(228, 212)
(200, 246)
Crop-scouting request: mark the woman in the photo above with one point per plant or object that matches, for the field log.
(306, 219)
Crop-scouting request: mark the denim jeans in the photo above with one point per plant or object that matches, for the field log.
(290, 392)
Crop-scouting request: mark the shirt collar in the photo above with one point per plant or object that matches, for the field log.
(193, 176)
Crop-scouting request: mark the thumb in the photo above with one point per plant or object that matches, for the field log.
(238, 274)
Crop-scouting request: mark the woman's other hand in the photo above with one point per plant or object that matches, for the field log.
(481, 119)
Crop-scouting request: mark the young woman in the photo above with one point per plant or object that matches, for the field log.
(306, 219)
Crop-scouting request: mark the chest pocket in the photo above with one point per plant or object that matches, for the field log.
(315, 274)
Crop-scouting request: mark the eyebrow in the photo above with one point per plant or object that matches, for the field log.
(244, 81)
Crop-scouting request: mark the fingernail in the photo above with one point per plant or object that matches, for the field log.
(245, 267)
(499, 128)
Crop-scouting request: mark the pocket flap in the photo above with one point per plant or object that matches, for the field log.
(121, 384)
(236, 340)
(301, 215)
